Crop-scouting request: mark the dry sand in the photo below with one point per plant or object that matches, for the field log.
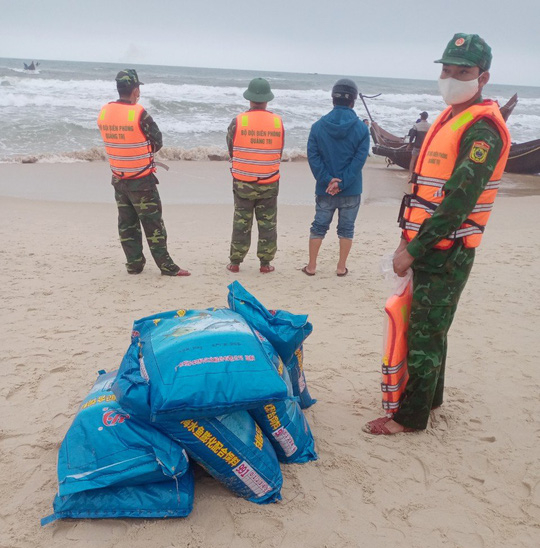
(472, 480)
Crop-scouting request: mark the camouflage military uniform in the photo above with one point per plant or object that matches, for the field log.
(440, 276)
(250, 198)
(139, 204)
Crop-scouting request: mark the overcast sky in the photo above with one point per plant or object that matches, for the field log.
(392, 38)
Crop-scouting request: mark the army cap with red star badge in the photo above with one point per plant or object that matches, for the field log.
(467, 50)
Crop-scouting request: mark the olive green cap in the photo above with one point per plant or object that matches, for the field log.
(258, 91)
(127, 78)
(467, 50)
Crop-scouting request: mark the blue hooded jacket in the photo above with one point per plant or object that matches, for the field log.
(338, 146)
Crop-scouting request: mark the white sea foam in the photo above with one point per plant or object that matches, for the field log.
(97, 154)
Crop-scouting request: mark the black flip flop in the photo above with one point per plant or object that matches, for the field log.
(304, 270)
(343, 273)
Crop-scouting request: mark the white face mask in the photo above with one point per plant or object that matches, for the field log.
(455, 92)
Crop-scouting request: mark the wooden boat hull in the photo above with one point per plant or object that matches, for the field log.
(399, 156)
(523, 158)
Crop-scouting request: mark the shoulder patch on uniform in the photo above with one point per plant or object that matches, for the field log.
(479, 152)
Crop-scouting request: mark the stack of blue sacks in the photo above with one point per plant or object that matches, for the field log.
(224, 387)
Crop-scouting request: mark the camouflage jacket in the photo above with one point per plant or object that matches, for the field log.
(462, 191)
(153, 134)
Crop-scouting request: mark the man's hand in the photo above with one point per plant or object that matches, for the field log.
(402, 261)
(402, 245)
(333, 186)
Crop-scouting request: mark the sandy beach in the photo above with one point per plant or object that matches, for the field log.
(472, 480)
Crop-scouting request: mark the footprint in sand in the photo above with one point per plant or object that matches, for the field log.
(489, 439)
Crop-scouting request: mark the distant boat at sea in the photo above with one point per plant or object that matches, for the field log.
(31, 67)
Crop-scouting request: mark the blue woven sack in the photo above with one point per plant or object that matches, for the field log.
(285, 331)
(284, 423)
(190, 364)
(233, 449)
(298, 379)
(106, 446)
(165, 499)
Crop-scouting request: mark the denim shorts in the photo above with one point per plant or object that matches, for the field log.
(325, 206)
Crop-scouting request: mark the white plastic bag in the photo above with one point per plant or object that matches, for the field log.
(396, 283)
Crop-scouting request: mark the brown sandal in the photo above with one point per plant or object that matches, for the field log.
(378, 427)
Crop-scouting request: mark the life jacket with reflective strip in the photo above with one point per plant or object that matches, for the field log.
(394, 364)
(128, 149)
(435, 166)
(257, 147)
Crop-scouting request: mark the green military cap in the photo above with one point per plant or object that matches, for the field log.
(467, 50)
(258, 91)
(127, 78)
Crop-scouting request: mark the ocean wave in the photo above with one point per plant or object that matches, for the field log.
(97, 154)
(24, 92)
(54, 112)
(25, 71)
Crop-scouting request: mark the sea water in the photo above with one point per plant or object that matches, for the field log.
(50, 115)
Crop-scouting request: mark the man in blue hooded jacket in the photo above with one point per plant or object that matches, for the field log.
(338, 146)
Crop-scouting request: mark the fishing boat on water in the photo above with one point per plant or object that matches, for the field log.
(32, 67)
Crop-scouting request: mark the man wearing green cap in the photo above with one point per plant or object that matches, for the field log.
(443, 219)
(131, 138)
(255, 141)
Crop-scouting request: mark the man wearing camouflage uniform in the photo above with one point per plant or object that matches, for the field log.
(136, 193)
(441, 249)
(255, 141)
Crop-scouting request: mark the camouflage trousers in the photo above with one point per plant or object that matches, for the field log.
(136, 208)
(261, 200)
(434, 303)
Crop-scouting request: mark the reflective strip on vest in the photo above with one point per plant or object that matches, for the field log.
(389, 370)
(412, 226)
(392, 387)
(429, 181)
(268, 151)
(493, 185)
(120, 145)
(251, 173)
(482, 207)
(391, 407)
(462, 232)
(128, 149)
(111, 156)
(435, 166)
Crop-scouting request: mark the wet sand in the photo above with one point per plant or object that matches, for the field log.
(209, 182)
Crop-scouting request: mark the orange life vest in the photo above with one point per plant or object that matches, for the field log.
(394, 366)
(257, 147)
(128, 149)
(435, 166)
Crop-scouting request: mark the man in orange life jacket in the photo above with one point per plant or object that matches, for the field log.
(454, 185)
(255, 141)
(131, 138)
